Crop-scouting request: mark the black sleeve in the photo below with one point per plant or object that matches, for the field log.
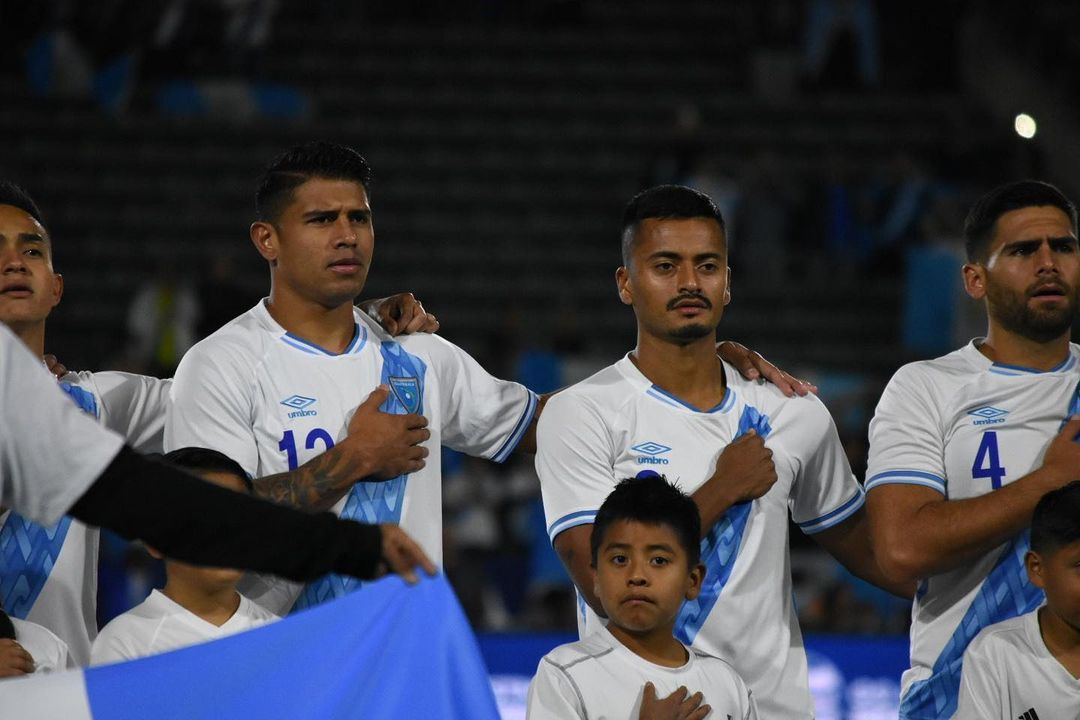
(198, 522)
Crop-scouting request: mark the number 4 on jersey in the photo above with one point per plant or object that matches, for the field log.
(988, 461)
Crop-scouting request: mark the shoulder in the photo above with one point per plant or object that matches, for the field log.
(606, 389)
(578, 654)
(940, 374)
(716, 664)
(242, 340)
(1008, 634)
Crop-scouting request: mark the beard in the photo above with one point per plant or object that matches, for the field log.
(1014, 314)
(686, 334)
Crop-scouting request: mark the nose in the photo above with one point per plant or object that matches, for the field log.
(1045, 258)
(11, 260)
(637, 576)
(688, 279)
(346, 235)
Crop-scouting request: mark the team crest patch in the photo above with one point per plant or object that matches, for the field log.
(407, 391)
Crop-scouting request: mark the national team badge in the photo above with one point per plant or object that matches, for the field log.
(407, 391)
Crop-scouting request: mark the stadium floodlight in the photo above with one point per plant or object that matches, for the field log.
(1025, 126)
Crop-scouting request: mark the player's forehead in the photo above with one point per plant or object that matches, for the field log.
(15, 222)
(682, 236)
(320, 193)
(1040, 222)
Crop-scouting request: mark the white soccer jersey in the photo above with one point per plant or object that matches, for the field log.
(50, 653)
(598, 678)
(1009, 673)
(617, 424)
(965, 426)
(49, 574)
(159, 624)
(272, 401)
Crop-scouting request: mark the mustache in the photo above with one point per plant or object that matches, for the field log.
(694, 296)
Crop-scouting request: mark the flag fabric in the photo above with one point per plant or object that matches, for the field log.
(388, 651)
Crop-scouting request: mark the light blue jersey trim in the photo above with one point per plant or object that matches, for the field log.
(1004, 368)
(359, 340)
(907, 477)
(660, 393)
(581, 517)
(518, 432)
(835, 517)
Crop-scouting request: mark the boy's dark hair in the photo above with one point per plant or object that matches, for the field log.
(1056, 521)
(665, 202)
(297, 165)
(7, 628)
(984, 214)
(652, 500)
(206, 460)
(12, 194)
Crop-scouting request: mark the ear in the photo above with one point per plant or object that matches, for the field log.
(57, 288)
(694, 581)
(595, 580)
(622, 282)
(265, 239)
(727, 288)
(974, 280)
(1034, 566)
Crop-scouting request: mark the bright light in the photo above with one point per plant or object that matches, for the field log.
(1025, 126)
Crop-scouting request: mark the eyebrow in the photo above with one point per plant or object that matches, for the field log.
(28, 237)
(1036, 242)
(670, 255)
(655, 546)
(355, 212)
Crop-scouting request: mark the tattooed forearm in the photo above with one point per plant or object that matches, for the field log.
(314, 486)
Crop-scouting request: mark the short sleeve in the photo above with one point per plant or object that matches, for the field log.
(50, 450)
(825, 492)
(574, 460)
(134, 406)
(116, 642)
(553, 695)
(979, 685)
(481, 415)
(211, 404)
(906, 443)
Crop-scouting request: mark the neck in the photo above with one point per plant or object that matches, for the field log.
(1062, 639)
(32, 334)
(690, 372)
(657, 645)
(1007, 347)
(215, 605)
(330, 328)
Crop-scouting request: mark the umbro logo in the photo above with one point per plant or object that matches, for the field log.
(1029, 715)
(988, 415)
(649, 451)
(300, 405)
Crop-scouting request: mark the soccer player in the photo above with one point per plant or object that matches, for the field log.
(962, 447)
(93, 477)
(1029, 667)
(49, 575)
(645, 549)
(672, 406)
(276, 387)
(197, 604)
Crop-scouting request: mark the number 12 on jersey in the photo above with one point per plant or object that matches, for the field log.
(288, 444)
(988, 460)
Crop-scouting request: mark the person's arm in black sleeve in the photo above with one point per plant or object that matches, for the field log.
(195, 521)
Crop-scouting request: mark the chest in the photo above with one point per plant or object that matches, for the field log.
(996, 434)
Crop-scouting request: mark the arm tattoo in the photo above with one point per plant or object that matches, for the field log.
(314, 486)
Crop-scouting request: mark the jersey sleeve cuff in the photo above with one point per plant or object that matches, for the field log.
(907, 477)
(518, 432)
(836, 516)
(582, 517)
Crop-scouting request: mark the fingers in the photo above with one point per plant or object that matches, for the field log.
(650, 692)
(403, 555)
(1070, 430)
(375, 399)
(15, 660)
(700, 713)
(55, 366)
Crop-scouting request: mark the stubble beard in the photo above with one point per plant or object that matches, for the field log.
(1012, 312)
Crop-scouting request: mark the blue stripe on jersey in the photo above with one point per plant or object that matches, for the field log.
(1005, 593)
(581, 517)
(720, 548)
(725, 404)
(518, 432)
(1063, 365)
(309, 347)
(907, 477)
(375, 502)
(835, 517)
(1074, 407)
(29, 551)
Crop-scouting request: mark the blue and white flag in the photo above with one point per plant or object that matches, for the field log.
(391, 651)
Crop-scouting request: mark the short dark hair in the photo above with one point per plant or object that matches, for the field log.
(982, 219)
(297, 165)
(1056, 521)
(666, 202)
(12, 194)
(652, 500)
(207, 460)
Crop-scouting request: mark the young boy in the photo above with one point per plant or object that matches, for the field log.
(198, 604)
(645, 552)
(1029, 667)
